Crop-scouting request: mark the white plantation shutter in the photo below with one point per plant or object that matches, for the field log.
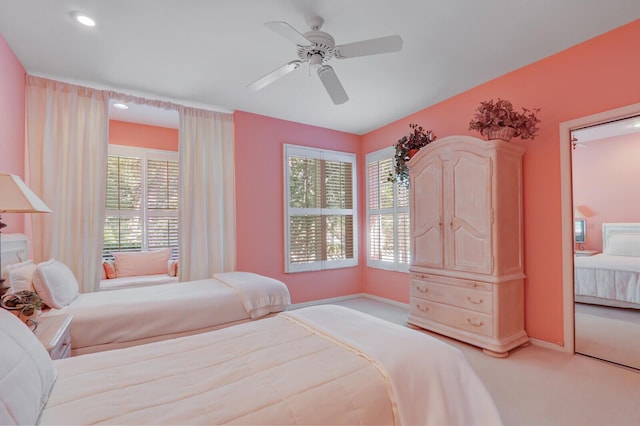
(142, 200)
(387, 215)
(123, 218)
(162, 204)
(320, 209)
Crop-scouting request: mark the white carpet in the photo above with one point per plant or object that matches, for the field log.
(611, 334)
(539, 386)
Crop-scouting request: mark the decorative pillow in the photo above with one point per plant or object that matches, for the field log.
(623, 245)
(55, 283)
(27, 373)
(173, 268)
(109, 270)
(103, 273)
(20, 275)
(132, 264)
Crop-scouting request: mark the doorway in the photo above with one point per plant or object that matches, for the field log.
(606, 262)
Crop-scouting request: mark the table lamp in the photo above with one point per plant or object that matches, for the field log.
(16, 197)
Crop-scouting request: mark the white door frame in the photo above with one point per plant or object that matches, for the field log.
(566, 194)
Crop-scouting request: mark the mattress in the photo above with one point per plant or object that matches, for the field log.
(315, 365)
(608, 278)
(119, 318)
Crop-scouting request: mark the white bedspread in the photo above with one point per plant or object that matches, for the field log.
(608, 277)
(317, 365)
(260, 295)
(127, 315)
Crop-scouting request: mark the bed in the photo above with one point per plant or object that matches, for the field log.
(121, 318)
(611, 278)
(315, 365)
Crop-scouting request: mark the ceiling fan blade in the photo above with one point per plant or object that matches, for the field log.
(373, 46)
(274, 75)
(332, 84)
(288, 32)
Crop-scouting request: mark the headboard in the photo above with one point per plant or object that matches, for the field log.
(613, 233)
(15, 248)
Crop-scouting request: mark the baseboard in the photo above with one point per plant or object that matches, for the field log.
(350, 296)
(385, 300)
(324, 301)
(548, 345)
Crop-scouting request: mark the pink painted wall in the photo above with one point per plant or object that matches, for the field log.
(12, 123)
(606, 183)
(259, 184)
(598, 75)
(142, 135)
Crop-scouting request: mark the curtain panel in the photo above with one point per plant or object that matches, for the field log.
(67, 139)
(207, 194)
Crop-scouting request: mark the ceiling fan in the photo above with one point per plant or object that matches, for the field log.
(317, 48)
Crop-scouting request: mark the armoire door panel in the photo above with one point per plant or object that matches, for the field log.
(426, 219)
(470, 252)
(470, 213)
(429, 250)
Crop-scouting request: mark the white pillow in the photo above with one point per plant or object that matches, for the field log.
(55, 283)
(623, 245)
(132, 264)
(20, 275)
(27, 373)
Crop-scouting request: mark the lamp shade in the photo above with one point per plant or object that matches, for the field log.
(578, 214)
(16, 197)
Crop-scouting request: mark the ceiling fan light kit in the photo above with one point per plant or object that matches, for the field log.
(317, 48)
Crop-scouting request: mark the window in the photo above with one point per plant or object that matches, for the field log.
(142, 200)
(320, 209)
(388, 241)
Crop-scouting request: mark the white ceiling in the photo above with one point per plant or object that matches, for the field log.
(204, 52)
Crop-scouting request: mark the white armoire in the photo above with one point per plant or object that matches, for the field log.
(467, 272)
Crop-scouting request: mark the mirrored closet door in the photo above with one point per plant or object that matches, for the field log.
(605, 161)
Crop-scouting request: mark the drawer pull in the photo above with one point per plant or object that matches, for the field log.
(422, 290)
(423, 308)
(475, 324)
(475, 302)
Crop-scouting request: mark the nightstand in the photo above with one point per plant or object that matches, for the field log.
(55, 334)
(586, 252)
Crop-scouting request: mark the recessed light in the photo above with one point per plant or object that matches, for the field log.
(85, 20)
(120, 106)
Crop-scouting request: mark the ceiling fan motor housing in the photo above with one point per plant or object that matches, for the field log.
(321, 44)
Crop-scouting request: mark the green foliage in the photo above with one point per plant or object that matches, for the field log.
(416, 139)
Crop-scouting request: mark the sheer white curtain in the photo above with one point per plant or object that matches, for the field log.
(207, 188)
(67, 140)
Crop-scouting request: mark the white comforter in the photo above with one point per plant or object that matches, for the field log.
(128, 315)
(608, 277)
(317, 365)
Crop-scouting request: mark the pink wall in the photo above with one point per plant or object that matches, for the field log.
(598, 75)
(142, 135)
(259, 183)
(606, 183)
(12, 87)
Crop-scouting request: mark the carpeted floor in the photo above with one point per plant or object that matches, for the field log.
(540, 386)
(611, 334)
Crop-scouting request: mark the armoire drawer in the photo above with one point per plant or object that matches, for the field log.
(475, 300)
(458, 282)
(451, 316)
